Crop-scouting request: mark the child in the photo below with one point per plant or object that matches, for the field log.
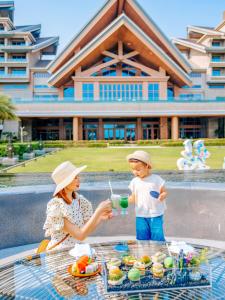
(148, 194)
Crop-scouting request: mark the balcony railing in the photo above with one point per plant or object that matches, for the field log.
(22, 60)
(7, 75)
(75, 101)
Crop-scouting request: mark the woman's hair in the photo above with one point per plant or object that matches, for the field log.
(62, 194)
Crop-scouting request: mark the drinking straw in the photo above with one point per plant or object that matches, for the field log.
(110, 186)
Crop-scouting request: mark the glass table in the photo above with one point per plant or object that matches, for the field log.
(45, 276)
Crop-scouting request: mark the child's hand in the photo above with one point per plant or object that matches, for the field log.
(163, 194)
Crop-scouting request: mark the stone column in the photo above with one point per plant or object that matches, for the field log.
(145, 90)
(80, 129)
(175, 128)
(164, 128)
(75, 129)
(139, 129)
(100, 129)
(163, 90)
(96, 91)
(61, 129)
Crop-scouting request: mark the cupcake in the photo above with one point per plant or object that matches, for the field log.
(158, 257)
(91, 268)
(129, 260)
(114, 262)
(134, 274)
(140, 266)
(116, 276)
(146, 260)
(168, 262)
(157, 270)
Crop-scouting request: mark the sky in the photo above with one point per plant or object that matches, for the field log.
(65, 18)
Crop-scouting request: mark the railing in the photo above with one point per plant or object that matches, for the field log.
(24, 60)
(75, 101)
(7, 75)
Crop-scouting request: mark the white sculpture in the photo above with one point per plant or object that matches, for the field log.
(196, 161)
(224, 163)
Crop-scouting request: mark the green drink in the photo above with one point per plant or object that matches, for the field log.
(124, 204)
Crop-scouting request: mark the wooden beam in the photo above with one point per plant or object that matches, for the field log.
(120, 49)
(110, 54)
(145, 69)
(131, 54)
(95, 69)
(120, 7)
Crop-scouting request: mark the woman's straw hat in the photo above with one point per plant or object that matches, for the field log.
(64, 174)
(141, 156)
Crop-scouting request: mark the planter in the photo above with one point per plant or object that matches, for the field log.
(6, 161)
(39, 152)
(27, 156)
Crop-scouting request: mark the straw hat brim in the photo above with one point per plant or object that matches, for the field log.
(68, 180)
(140, 158)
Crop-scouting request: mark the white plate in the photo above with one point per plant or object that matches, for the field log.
(82, 249)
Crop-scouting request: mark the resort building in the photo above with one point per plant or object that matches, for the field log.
(120, 77)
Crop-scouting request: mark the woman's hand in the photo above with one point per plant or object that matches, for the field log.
(105, 207)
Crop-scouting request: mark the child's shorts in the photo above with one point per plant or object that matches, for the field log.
(150, 228)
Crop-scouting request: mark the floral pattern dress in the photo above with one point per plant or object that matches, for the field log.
(78, 213)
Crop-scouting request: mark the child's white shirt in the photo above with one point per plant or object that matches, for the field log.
(147, 206)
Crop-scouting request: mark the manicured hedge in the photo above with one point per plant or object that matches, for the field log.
(179, 143)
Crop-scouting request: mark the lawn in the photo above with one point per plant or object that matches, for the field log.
(111, 159)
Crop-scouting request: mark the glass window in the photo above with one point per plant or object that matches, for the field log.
(216, 58)
(15, 86)
(216, 43)
(153, 91)
(46, 96)
(88, 91)
(170, 93)
(121, 92)
(190, 96)
(216, 86)
(195, 75)
(216, 72)
(41, 75)
(68, 92)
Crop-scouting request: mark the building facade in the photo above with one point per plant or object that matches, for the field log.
(120, 77)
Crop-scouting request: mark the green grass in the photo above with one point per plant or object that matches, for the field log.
(106, 159)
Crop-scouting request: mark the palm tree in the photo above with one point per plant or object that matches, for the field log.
(7, 110)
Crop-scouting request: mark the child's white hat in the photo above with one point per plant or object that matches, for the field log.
(140, 155)
(64, 174)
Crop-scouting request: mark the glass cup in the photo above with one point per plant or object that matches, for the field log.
(115, 204)
(124, 204)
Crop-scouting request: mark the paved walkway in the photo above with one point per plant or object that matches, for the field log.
(11, 254)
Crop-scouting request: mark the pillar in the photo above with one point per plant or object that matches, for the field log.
(100, 129)
(139, 130)
(61, 129)
(175, 128)
(80, 129)
(75, 129)
(163, 90)
(164, 128)
(145, 90)
(96, 91)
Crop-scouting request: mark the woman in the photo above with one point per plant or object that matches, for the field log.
(69, 215)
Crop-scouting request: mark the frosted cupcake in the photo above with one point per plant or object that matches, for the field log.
(146, 260)
(129, 260)
(134, 274)
(157, 270)
(140, 266)
(114, 262)
(116, 276)
(158, 257)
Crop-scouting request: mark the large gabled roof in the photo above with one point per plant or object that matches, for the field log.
(113, 30)
(109, 12)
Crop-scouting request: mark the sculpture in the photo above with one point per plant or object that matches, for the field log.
(196, 160)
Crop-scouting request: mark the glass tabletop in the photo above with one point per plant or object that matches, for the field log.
(46, 277)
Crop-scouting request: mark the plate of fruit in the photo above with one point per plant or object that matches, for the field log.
(85, 266)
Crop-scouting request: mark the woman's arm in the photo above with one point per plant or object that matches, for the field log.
(103, 212)
(163, 194)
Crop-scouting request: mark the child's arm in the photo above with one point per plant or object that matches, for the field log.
(131, 198)
(163, 194)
